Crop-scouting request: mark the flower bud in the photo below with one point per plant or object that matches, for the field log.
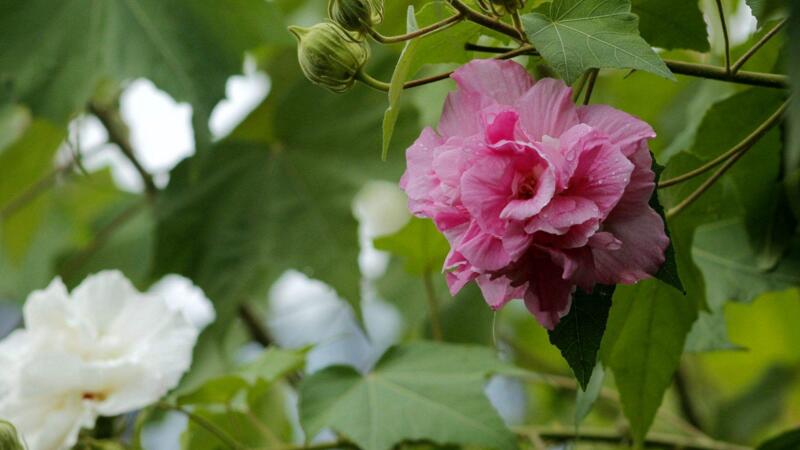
(329, 55)
(9, 440)
(355, 15)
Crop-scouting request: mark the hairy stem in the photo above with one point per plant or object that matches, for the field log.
(517, 21)
(118, 134)
(433, 306)
(441, 25)
(486, 21)
(219, 433)
(757, 46)
(721, 12)
(743, 147)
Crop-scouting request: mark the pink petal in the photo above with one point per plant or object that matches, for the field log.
(486, 189)
(483, 250)
(458, 272)
(641, 232)
(562, 213)
(498, 291)
(546, 110)
(418, 180)
(603, 172)
(502, 127)
(623, 129)
(481, 83)
(548, 296)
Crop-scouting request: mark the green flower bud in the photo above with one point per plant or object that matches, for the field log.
(329, 55)
(356, 15)
(9, 440)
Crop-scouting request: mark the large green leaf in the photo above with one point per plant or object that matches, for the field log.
(672, 24)
(579, 333)
(55, 55)
(418, 391)
(277, 194)
(784, 441)
(575, 35)
(647, 326)
(730, 264)
(792, 158)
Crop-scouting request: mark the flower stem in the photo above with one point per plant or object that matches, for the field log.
(752, 51)
(384, 86)
(517, 21)
(433, 306)
(721, 12)
(442, 24)
(486, 21)
(592, 78)
(220, 434)
(743, 147)
(653, 440)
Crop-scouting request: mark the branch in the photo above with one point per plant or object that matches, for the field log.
(752, 51)
(486, 21)
(384, 86)
(699, 70)
(654, 440)
(118, 134)
(254, 325)
(743, 147)
(220, 434)
(442, 24)
(721, 12)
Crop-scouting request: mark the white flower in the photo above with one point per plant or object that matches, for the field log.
(182, 295)
(106, 349)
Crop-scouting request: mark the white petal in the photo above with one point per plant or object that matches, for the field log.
(183, 296)
(46, 309)
(101, 297)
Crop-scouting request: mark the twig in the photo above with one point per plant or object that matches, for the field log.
(118, 134)
(384, 86)
(440, 25)
(743, 146)
(655, 440)
(752, 51)
(486, 21)
(433, 306)
(704, 71)
(590, 85)
(254, 325)
(721, 12)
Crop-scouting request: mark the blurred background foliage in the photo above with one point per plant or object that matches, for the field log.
(276, 193)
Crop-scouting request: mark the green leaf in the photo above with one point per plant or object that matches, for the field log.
(277, 194)
(672, 24)
(644, 339)
(9, 438)
(55, 57)
(579, 333)
(668, 272)
(576, 35)
(446, 46)
(270, 366)
(435, 392)
(709, 333)
(723, 252)
(419, 244)
(585, 399)
(766, 9)
(785, 441)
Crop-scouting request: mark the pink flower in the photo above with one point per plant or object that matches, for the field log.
(535, 195)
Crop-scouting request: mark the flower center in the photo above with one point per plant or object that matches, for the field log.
(94, 396)
(527, 189)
